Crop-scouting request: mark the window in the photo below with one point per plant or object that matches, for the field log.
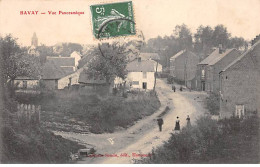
(135, 83)
(240, 111)
(144, 74)
(203, 73)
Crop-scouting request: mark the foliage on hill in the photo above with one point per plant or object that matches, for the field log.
(100, 113)
(30, 143)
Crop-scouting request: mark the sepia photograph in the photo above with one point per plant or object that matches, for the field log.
(129, 82)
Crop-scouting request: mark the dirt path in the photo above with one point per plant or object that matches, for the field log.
(144, 135)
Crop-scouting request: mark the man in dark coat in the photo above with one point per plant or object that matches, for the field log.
(173, 88)
(160, 123)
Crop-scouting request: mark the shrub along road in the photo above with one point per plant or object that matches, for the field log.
(144, 135)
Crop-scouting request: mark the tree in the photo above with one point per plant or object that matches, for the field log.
(183, 36)
(16, 62)
(220, 36)
(203, 39)
(237, 42)
(108, 61)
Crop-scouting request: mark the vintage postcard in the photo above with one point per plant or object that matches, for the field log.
(129, 81)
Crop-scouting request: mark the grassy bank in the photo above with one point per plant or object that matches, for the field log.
(33, 144)
(226, 141)
(72, 111)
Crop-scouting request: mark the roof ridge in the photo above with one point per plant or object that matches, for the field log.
(240, 57)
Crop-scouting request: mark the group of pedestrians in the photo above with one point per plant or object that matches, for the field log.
(177, 123)
(174, 88)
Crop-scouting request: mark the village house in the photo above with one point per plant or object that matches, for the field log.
(141, 74)
(208, 69)
(239, 84)
(68, 64)
(55, 77)
(153, 57)
(183, 67)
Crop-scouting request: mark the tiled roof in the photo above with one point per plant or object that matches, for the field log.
(178, 54)
(214, 57)
(52, 71)
(242, 56)
(85, 60)
(147, 56)
(62, 61)
(143, 66)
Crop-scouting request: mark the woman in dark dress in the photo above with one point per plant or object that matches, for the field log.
(177, 124)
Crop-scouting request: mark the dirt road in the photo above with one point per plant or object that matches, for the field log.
(120, 146)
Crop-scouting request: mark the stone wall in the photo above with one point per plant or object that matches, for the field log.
(240, 86)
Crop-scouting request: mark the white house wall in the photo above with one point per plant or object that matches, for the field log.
(77, 58)
(138, 76)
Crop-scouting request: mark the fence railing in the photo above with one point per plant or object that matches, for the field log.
(29, 113)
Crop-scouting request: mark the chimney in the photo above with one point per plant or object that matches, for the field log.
(139, 59)
(220, 49)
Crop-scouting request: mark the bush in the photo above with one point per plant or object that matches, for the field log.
(27, 145)
(211, 142)
(212, 103)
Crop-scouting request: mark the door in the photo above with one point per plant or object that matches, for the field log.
(203, 86)
(144, 85)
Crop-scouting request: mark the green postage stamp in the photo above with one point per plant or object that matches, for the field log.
(114, 19)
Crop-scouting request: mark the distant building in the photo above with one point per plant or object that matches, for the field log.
(183, 67)
(34, 40)
(239, 84)
(34, 44)
(208, 69)
(141, 74)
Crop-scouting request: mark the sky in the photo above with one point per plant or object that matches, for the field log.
(153, 17)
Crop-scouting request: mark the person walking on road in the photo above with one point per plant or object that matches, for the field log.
(177, 124)
(160, 123)
(188, 121)
(173, 88)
